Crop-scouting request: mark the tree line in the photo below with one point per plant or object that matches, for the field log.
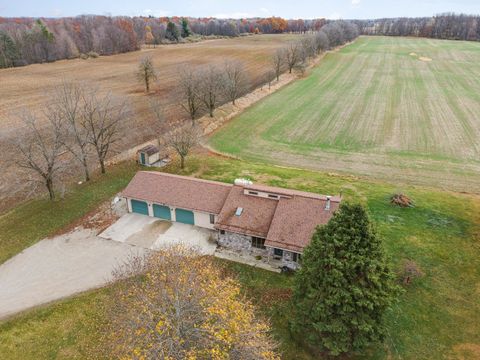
(444, 26)
(26, 41)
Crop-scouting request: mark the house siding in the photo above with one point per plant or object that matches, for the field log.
(201, 219)
(149, 159)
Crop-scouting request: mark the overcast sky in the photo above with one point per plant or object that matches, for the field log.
(334, 9)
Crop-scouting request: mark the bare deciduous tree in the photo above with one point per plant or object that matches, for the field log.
(70, 106)
(189, 87)
(211, 85)
(301, 68)
(104, 118)
(269, 77)
(183, 140)
(159, 123)
(277, 62)
(235, 83)
(146, 72)
(40, 147)
(308, 48)
(292, 55)
(322, 41)
(175, 304)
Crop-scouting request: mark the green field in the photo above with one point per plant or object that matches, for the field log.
(438, 316)
(387, 107)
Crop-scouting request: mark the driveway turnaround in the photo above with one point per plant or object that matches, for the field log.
(153, 233)
(59, 267)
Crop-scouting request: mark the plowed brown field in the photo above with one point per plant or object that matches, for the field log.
(31, 86)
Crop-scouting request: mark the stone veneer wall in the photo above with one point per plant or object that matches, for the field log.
(240, 243)
(286, 260)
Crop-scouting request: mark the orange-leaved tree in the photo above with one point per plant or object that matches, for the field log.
(176, 304)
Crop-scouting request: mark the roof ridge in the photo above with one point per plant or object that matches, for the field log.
(189, 178)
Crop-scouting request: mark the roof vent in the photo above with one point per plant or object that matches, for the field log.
(327, 205)
(239, 211)
(242, 182)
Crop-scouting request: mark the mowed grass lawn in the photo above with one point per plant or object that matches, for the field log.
(438, 316)
(382, 106)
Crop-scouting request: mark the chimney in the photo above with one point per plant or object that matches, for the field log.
(327, 205)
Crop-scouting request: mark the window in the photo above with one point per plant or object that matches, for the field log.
(222, 232)
(272, 196)
(212, 219)
(278, 252)
(253, 193)
(296, 257)
(258, 243)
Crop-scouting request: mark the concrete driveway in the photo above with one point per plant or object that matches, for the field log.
(153, 233)
(80, 260)
(59, 267)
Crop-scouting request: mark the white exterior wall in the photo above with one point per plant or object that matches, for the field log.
(203, 219)
(153, 158)
(148, 159)
(150, 208)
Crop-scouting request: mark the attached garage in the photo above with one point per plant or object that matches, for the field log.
(162, 212)
(139, 207)
(184, 216)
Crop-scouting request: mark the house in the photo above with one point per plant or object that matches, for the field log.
(271, 222)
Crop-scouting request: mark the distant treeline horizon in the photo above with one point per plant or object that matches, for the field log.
(26, 40)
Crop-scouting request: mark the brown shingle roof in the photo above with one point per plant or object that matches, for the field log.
(286, 223)
(256, 216)
(295, 221)
(179, 191)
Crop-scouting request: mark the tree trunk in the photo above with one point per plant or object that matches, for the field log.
(85, 168)
(182, 162)
(51, 193)
(147, 84)
(102, 165)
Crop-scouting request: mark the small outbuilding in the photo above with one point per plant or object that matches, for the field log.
(148, 155)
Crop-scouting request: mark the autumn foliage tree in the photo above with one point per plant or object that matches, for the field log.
(345, 285)
(175, 304)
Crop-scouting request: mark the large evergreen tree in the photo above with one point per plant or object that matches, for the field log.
(8, 50)
(345, 285)
(172, 32)
(185, 28)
